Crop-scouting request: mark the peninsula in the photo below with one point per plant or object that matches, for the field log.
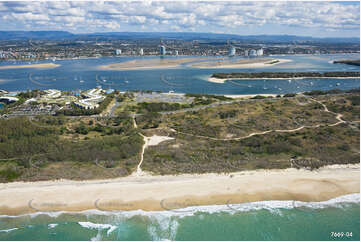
(222, 77)
(348, 62)
(239, 63)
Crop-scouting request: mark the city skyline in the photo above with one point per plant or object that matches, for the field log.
(316, 19)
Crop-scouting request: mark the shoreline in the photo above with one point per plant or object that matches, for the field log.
(223, 80)
(163, 193)
(146, 64)
(37, 66)
(235, 96)
(261, 64)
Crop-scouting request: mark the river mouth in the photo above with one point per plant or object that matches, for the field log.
(83, 74)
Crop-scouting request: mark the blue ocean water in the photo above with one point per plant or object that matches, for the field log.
(336, 219)
(85, 74)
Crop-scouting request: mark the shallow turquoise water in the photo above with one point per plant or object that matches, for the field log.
(273, 220)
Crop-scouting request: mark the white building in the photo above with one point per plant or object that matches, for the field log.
(93, 97)
(260, 52)
(53, 93)
(252, 52)
(176, 52)
(232, 51)
(118, 52)
(141, 52)
(162, 50)
(246, 53)
(5, 99)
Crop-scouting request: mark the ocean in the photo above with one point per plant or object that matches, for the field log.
(81, 74)
(336, 219)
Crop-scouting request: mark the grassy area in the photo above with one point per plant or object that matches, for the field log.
(347, 105)
(29, 150)
(310, 147)
(54, 147)
(243, 118)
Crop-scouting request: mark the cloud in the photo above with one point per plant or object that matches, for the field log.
(226, 17)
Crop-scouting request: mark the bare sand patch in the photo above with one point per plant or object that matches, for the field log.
(37, 66)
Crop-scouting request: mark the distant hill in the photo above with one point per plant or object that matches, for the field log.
(61, 35)
(38, 35)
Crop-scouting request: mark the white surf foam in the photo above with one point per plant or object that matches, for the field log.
(98, 237)
(163, 228)
(91, 225)
(7, 230)
(52, 226)
(231, 208)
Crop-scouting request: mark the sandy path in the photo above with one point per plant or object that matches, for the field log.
(139, 171)
(148, 141)
(338, 117)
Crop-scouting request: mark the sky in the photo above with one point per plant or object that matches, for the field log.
(311, 18)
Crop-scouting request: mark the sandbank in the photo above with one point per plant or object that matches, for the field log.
(38, 66)
(242, 63)
(158, 63)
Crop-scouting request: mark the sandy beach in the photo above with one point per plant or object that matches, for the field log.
(38, 66)
(250, 95)
(152, 193)
(243, 63)
(163, 63)
(222, 80)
